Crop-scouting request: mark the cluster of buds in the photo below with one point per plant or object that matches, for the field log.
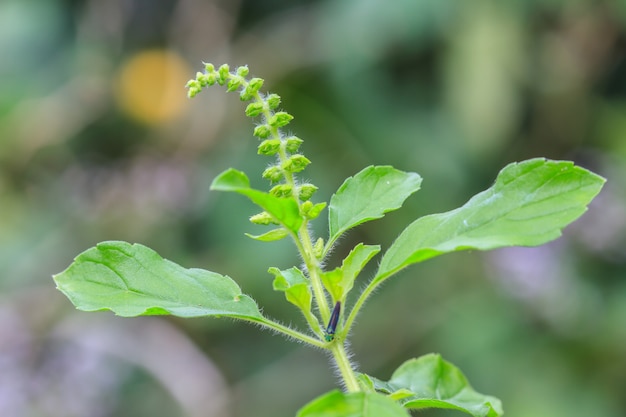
(274, 142)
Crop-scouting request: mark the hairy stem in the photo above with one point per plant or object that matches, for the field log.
(359, 303)
(289, 332)
(345, 367)
(314, 272)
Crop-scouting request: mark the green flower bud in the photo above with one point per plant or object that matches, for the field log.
(282, 190)
(254, 109)
(296, 163)
(209, 68)
(273, 101)
(223, 73)
(318, 248)
(269, 147)
(243, 71)
(280, 119)
(246, 95)
(306, 191)
(251, 89)
(293, 144)
(192, 84)
(193, 88)
(255, 84)
(273, 174)
(233, 84)
(210, 78)
(263, 218)
(262, 131)
(192, 92)
(201, 79)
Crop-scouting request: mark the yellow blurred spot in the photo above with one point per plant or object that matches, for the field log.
(150, 87)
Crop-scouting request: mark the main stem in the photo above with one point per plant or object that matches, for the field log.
(340, 356)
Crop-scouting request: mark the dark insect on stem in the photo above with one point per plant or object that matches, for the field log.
(332, 323)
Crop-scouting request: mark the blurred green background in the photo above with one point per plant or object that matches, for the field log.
(98, 141)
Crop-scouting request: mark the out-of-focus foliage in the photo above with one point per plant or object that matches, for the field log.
(98, 142)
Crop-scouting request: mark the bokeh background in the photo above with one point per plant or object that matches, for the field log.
(98, 141)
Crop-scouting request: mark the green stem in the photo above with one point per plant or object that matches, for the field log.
(345, 367)
(290, 332)
(359, 303)
(314, 272)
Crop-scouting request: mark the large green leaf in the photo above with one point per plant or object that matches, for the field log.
(359, 404)
(133, 280)
(368, 195)
(529, 204)
(284, 210)
(431, 382)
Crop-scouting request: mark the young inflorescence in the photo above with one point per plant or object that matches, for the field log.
(274, 142)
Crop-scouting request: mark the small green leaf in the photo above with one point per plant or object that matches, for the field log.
(271, 236)
(365, 382)
(358, 404)
(284, 210)
(431, 382)
(295, 286)
(355, 262)
(311, 211)
(340, 281)
(368, 195)
(300, 296)
(529, 204)
(133, 280)
(287, 278)
(332, 283)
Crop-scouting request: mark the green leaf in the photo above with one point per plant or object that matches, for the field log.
(529, 204)
(295, 286)
(297, 291)
(355, 262)
(284, 210)
(365, 382)
(358, 404)
(288, 278)
(133, 280)
(340, 281)
(271, 236)
(431, 382)
(368, 195)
